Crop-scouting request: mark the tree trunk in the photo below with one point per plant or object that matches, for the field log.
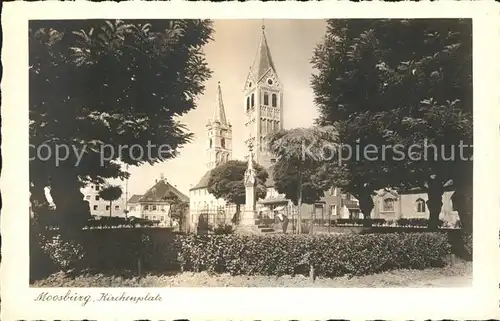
(235, 219)
(110, 207)
(299, 204)
(462, 203)
(72, 210)
(435, 202)
(366, 207)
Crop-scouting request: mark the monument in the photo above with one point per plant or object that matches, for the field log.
(247, 219)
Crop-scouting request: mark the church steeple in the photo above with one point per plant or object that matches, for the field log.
(219, 145)
(263, 102)
(263, 60)
(219, 114)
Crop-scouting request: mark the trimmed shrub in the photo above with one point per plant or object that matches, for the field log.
(360, 222)
(331, 255)
(160, 250)
(223, 229)
(416, 222)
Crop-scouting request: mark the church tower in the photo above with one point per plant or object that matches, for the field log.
(219, 138)
(263, 104)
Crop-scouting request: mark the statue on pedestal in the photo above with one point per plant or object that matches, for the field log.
(250, 172)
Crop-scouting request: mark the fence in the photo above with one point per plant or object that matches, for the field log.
(208, 218)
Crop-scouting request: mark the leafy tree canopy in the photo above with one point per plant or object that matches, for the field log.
(397, 82)
(102, 86)
(301, 154)
(110, 193)
(227, 181)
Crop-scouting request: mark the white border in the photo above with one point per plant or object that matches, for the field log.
(479, 302)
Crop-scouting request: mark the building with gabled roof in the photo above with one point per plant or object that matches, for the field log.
(156, 203)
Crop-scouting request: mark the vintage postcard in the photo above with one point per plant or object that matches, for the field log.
(250, 160)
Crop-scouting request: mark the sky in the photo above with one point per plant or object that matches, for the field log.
(229, 56)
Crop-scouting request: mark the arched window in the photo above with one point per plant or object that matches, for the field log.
(389, 205)
(274, 100)
(248, 103)
(266, 99)
(223, 143)
(210, 142)
(253, 100)
(420, 205)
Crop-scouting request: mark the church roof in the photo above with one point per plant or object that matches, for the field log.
(161, 191)
(203, 183)
(219, 114)
(135, 198)
(263, 60)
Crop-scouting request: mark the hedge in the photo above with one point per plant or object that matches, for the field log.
(351, 221)
(330, 255)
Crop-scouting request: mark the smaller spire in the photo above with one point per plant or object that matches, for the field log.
(219, 112)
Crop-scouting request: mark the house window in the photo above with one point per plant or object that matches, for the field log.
(97, 187)
(389, 205)
(147, 217)
(154, 217)
(253, 100)
(248, 103)
(132, 208)
(87, 197)
(97, 197)
(266, 99)
(107, 207)
(333, 210)
(274, 100)
(162, 218)
(95, 207)
(420, 205)
(154, 208)
(146, 207)
(117, 208)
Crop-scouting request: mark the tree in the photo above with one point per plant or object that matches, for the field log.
(300, 157)
(227, 181)
(178, 208)
(98, 87)
(398, 82)
(110, 193)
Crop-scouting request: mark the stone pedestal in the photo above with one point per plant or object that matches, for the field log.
(246, 224)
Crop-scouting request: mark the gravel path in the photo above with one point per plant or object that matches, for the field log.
(458, 275)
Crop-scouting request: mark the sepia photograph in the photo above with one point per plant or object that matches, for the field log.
(250, 160)
(250, 153)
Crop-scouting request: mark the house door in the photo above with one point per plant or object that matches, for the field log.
(203, 221)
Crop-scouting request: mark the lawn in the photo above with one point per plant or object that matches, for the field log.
(456, 275)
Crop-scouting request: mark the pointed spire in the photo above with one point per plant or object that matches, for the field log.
(263, 60)
(219, 112)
